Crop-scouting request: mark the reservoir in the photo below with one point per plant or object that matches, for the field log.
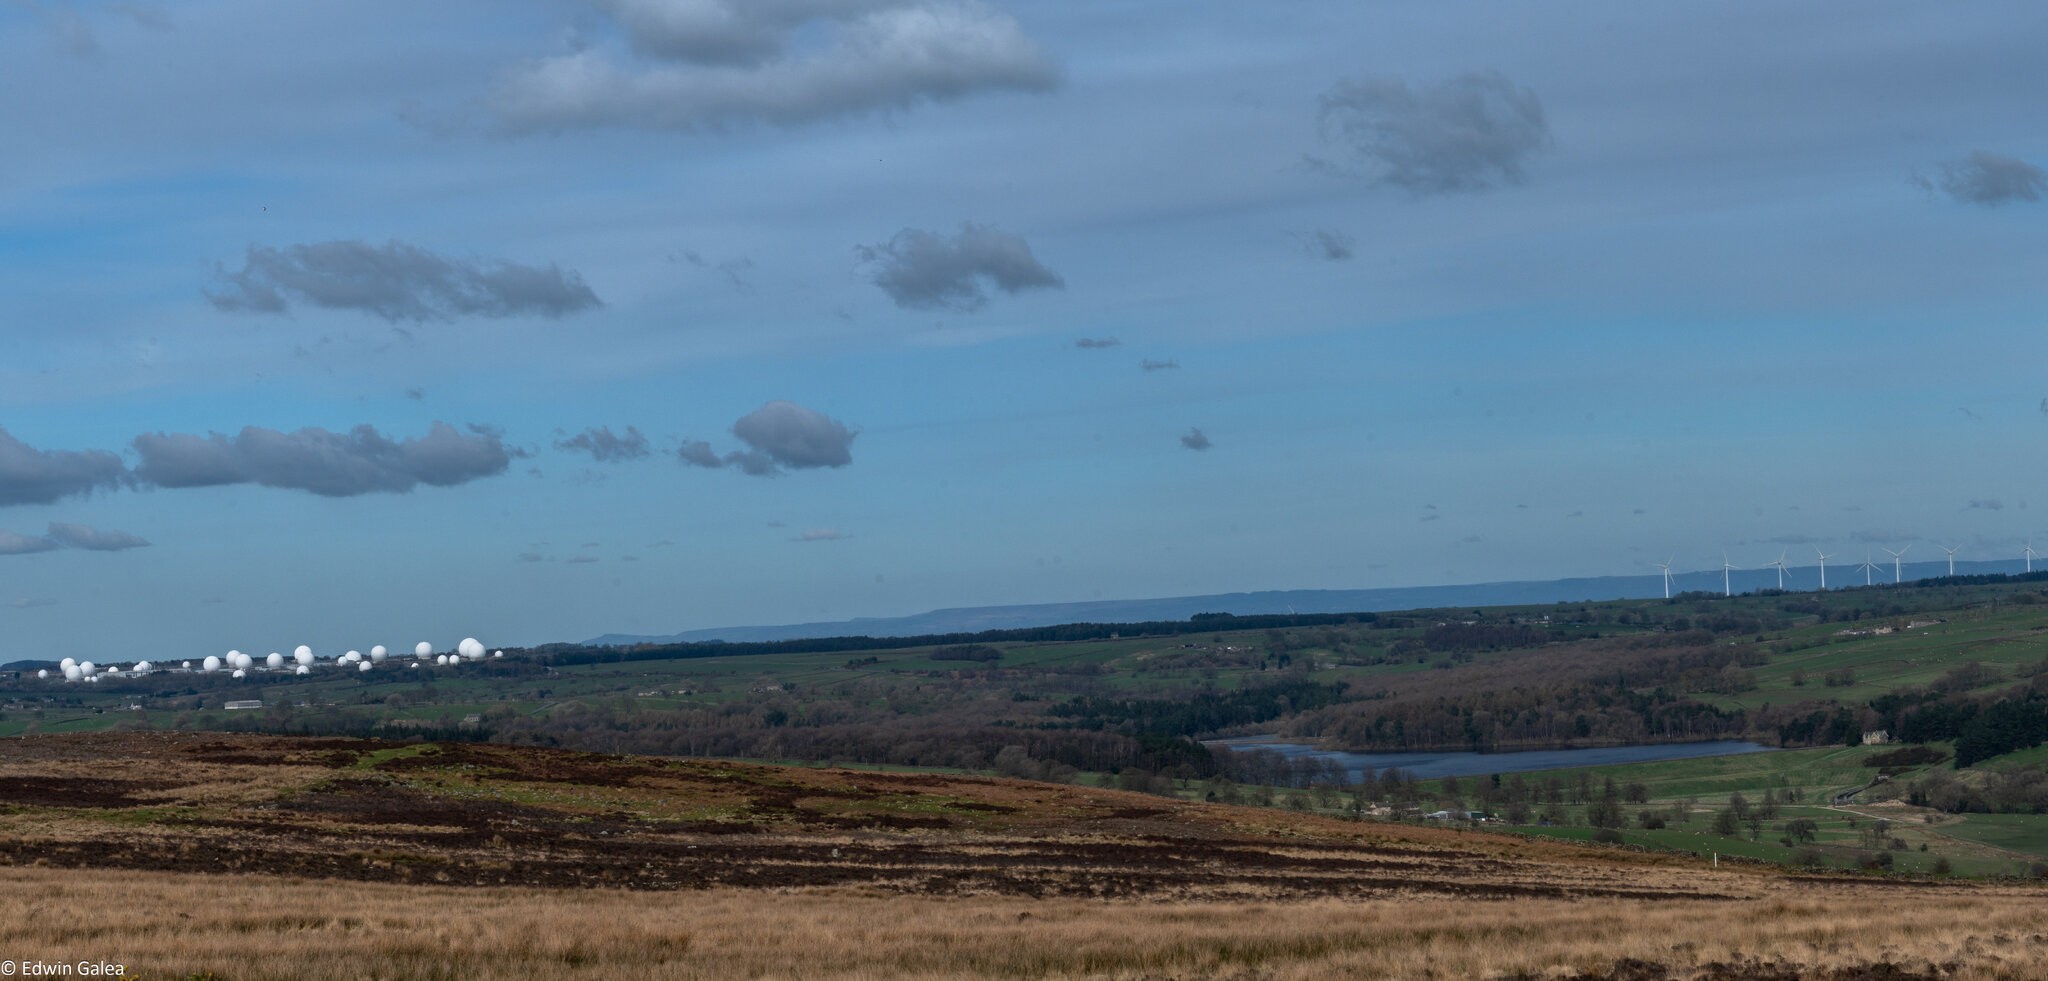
(1358, 765)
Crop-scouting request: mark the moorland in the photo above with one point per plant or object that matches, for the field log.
(967, 804)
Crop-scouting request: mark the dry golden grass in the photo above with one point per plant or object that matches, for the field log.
(145, 851)
(172, 925)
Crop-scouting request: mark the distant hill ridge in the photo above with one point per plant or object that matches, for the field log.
(975, 619)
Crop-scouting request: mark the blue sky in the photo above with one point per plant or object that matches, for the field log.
(1399, 294)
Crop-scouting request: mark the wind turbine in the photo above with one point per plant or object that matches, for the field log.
(1867, 567)
(2030, 553)
(1725, 591)
(1951, 558)
(1823, 567)
(1897, 576)
(1666, 567)
(1780, 566)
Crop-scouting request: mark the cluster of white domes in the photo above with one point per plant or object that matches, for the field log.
(240, 665)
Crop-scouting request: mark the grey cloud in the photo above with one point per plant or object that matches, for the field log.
(1883, 537)
(1096, 343)
(1469, 133)
(1331, 245)
(820, 535)
(698, 453)
(796, 436)
(779, 434)
(604, 446)
(1793, 540)
(924, 270)
(1990, 179)
(397, 281)
(1150, 365)
(322, 462)
(30, 602)
(730, 268)
(17, 544)
(1984, 504)
(1195, 440)
(92, 539)
(715, 63)
(581, 559)
(32, 476)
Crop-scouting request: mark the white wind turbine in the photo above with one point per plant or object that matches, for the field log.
(1897, 576)
(1725, 591)
(1665, 567)
(1779, 565)
(2030, 553)
(1824, 557)
(1951, 550)
(1867, 567)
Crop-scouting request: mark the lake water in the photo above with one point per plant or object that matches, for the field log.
(1481, 764)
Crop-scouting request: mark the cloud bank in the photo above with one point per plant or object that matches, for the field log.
(330, 464)
(923, 270)
(779, 435)
(708, 64)
(32, 476)
(1195, 440)
(1469, 133)
(397, 281)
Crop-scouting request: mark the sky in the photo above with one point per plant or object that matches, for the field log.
(531, 320)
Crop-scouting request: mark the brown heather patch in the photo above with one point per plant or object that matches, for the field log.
(260, 856)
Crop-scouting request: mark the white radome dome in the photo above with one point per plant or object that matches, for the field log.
(362, 665)
(239, 673)
(274, 661)
(378, 653)
(302, 669)
(212, 663)
(87, 668)
(72, 673)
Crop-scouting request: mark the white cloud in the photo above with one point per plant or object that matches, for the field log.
(712, 63)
